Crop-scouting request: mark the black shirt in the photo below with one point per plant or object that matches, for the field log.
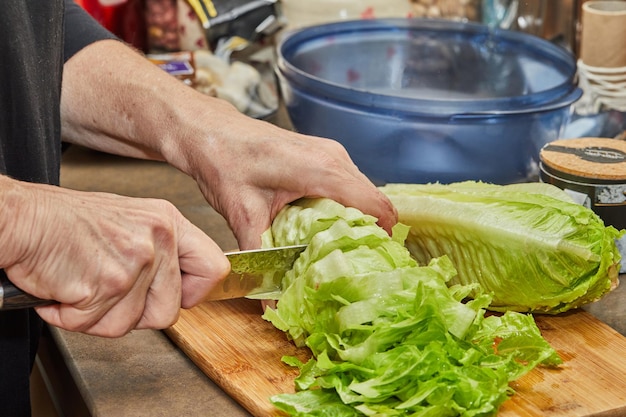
(36, 38)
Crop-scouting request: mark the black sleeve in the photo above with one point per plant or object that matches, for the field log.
(81, 29)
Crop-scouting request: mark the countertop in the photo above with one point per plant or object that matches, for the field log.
(144, 373)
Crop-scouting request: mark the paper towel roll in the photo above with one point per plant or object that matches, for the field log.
(603, 36)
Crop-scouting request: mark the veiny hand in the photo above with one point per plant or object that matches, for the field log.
(255, 168)
(113, 263)
(247, 169)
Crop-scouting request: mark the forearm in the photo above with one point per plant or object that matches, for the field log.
(115, 101)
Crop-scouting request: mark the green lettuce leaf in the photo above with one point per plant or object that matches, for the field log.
(388, 336)
(528, 244)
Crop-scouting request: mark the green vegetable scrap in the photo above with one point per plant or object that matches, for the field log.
(528, 244)
(390, 337)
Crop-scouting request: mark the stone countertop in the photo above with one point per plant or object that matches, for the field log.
(144, 373)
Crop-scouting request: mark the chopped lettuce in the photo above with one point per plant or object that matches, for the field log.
(529, 244)
(388, 336)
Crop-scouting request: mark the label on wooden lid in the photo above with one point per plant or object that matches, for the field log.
(593, 158)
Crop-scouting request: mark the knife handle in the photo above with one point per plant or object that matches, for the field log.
(12, 298)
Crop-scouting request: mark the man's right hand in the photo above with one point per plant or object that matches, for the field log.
(113, 263)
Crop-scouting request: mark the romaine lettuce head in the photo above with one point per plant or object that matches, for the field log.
(529, 244)
(389, 337)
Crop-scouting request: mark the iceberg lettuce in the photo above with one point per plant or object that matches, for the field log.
(528, 244)
(388, 336)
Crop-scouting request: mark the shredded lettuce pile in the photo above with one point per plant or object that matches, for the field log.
(390, 337)
(528, 244)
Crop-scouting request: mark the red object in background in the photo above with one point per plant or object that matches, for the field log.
(125, 20)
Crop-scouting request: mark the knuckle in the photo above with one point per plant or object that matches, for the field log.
(164, 206)
(222, 267)
(115, 332)
(117, 282)
(161, 320)
(337, 148)
(75, 327)
(162, 223)
(168, 321)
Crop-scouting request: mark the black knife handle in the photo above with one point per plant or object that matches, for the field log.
(12, 298)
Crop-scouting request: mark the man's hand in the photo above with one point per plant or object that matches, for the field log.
(113, 263)
(253, 172)
(115, 101)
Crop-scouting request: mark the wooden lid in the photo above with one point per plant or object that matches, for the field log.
(595, 158)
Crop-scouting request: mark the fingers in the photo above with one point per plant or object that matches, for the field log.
(181, 278)
(355, 189)
(375, 204)
(309, 167)
(144, 295)
(202, 263)
(126, 264)
(250, 218)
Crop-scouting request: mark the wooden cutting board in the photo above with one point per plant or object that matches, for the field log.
(241, 352)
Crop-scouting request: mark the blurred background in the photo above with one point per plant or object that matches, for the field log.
(167, 24)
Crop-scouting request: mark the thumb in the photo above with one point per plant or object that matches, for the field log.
(202, 263)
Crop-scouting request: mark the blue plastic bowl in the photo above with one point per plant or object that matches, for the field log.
(420, 101)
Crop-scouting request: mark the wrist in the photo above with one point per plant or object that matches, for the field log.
(200, 126)
(10, 204)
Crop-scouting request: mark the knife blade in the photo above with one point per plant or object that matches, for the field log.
(254, 273)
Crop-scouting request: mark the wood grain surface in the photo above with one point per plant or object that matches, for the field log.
(241, 352)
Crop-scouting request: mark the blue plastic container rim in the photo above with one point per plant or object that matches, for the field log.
(561, 95)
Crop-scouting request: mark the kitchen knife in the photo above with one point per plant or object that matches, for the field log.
(254, 273)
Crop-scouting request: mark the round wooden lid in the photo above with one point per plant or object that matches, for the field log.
(594, 158)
